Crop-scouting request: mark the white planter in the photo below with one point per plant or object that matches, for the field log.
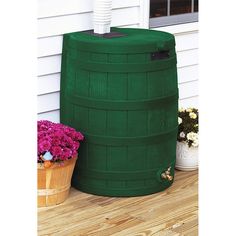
(186, 157)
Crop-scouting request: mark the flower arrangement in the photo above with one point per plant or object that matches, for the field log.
(188, 126)
(56, 142)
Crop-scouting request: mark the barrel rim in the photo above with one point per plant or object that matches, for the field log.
(129, 140)
(91, 43)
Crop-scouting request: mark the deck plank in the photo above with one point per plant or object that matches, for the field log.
(173, 212)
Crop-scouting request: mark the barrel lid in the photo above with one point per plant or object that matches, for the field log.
(133, 41)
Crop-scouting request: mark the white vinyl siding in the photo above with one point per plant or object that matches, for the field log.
(52, 8)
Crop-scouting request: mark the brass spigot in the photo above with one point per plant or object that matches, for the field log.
(167, 175)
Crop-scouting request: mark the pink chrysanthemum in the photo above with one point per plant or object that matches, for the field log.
(60, 140)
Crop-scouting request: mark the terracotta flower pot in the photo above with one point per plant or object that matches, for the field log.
(186, 157)
(54, 182)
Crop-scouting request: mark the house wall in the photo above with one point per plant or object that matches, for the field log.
(56, 17)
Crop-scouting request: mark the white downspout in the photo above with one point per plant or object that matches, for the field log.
(102, 16)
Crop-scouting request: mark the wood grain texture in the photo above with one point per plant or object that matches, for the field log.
(54, 182)
(173, 212)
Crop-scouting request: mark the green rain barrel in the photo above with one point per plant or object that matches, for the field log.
(121, 92)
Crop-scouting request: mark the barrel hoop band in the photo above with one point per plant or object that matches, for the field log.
(109, 48)
(46, 192)
(122, 175)
(124, 67)
(125, 49)
(120, 105)
(131, 141)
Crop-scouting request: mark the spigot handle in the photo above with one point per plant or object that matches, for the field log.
(167, 175)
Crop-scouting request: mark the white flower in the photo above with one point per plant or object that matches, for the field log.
(181, 109)
(189, 109)
(192, 115)
(195, 143)
(180, 120)
(192, 136)
(182, 135)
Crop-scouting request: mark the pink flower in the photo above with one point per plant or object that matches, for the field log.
(56, 151)
(44, 145)
(79, 136)
(76, 145)
(69, 141)
(58, 134)
(61, 140)
(66, 153)
(74, 153)
(56, 142)
(45, 138)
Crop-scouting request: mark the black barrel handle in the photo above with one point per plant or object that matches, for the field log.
(159, 55)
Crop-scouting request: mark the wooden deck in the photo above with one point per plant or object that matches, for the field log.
(172, 212)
